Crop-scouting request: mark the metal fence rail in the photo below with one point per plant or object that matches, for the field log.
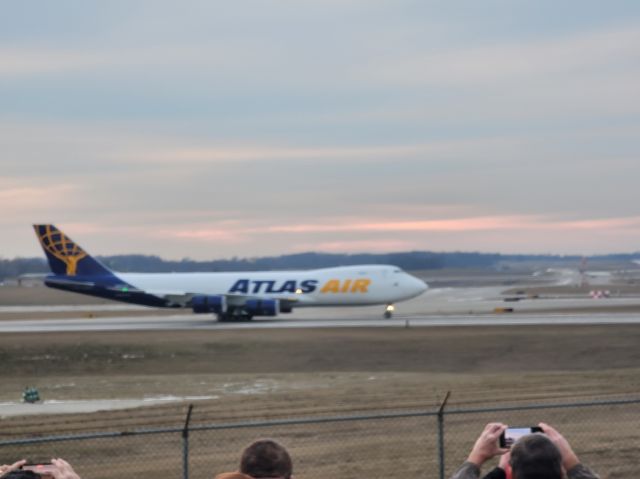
(425, 444)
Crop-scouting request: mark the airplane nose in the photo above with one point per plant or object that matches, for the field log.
(416, 285)
(421, 286)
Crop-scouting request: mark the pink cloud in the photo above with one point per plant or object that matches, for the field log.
(25, 200)
(610, 223)
(357, 246)
(461, 224)
(236, 230)
(514, 234)
(215, 234)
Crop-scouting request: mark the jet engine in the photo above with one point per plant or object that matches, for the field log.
(286, 306)
(209, 304)
(262, 307)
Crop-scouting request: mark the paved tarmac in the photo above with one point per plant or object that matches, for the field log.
(86, 406)
(190, 321)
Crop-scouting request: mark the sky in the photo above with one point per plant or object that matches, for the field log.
(210, 129)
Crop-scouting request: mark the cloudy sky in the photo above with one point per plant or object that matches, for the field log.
(210, 129)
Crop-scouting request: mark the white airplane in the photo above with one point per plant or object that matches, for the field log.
(231, 296)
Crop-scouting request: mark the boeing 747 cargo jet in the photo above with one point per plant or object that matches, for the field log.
(231, 296)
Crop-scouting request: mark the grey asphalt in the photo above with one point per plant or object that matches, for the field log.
(190, 321)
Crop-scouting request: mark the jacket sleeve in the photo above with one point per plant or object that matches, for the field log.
(468, 470)
(580, 471)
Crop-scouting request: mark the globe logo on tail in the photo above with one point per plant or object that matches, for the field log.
(57, 244)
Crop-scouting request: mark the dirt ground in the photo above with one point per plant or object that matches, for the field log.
(237, 375)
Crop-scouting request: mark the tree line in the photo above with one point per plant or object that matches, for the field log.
(411, 261)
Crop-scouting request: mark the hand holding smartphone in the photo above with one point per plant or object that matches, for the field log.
(44, 470)
(512, 434)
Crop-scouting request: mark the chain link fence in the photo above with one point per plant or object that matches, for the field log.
(429, 444)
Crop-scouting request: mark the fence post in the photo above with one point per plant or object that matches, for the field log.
(185, 444)
(441, 433)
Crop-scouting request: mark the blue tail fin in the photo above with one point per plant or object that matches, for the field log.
(66, 257)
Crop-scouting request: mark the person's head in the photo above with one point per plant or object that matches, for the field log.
(535, 457)
(232, 475)
(20, 474)
(266, 458)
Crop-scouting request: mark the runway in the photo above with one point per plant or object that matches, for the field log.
(207, 323)
(462, 307)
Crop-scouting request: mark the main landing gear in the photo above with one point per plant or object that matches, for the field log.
(388, 312)
(234, 315)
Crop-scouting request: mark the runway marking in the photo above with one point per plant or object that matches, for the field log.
(187, 322)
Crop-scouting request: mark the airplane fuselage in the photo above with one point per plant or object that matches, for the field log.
(347, 285)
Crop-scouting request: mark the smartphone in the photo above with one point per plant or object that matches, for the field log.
(512, 434)
(45, 470)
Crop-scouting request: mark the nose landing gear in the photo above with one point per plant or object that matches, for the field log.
(388, 312)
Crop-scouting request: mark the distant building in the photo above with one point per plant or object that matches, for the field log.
(29, 280)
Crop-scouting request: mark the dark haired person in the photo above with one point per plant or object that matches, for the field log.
(535, 456)
(5, 469)
(232, 475)
(266, 458)
(61, 470)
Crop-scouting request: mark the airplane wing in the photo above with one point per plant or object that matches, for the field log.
(184, 299)
(63, 283)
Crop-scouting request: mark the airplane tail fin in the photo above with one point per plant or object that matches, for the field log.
(67, 258)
